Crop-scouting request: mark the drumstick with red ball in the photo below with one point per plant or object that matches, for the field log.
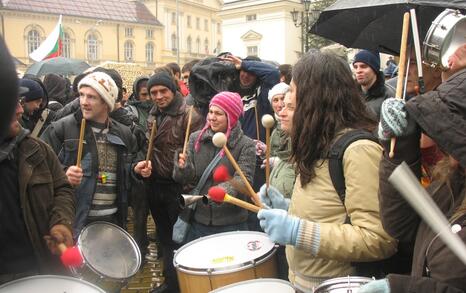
(219, 140)
(219, 195)
(70, 256)
(221, 174)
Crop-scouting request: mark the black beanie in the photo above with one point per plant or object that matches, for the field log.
(162, 78)
(35, 90)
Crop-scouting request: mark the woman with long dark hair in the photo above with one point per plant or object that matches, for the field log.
(324, 233)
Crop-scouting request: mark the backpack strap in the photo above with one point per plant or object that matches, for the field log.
(335, 159)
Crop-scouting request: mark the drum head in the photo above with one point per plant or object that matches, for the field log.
(259, 285)
(224, 252)
(342, 285)
(109, 250)
(49, 284)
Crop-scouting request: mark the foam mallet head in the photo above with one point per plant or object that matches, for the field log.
(268, 121)
(221, 174)
(219, 195)
(70, 256)
(219, 139)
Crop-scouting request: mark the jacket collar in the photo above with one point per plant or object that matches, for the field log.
(377, 89)
(176, 107)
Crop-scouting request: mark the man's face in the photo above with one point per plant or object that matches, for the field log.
(432, 77)
(365, 76)
(247, 79)
(93, 106)
(30, 107)
(143, 94)
(185, 78)
(287, 112)
(15, 126)
(162, 96)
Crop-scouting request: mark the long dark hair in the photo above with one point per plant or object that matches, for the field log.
(327, 101)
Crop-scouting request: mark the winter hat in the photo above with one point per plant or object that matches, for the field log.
(370, 58)
(161, 78)
(103, 84)
(35, 91)
(232, 105)
(279, 89)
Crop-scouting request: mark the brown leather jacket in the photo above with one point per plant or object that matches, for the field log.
(171, 129)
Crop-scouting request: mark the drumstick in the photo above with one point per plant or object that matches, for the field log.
(267, 122)
(221, 174)
(80, 143)
(188, 128)
(417, 49)
(257, 121)
(219, 195)
(408, 185)
(401, 71)
(70, 256)
(219, 140)
(151, 141)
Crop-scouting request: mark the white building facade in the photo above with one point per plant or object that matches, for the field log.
(262, 28)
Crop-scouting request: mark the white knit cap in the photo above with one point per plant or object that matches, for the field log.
(279, 89)
(103, 84)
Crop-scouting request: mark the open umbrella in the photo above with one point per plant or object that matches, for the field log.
(58, 65)
(376, 24)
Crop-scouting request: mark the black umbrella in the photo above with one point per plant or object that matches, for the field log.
(376, 24)
(58, 65)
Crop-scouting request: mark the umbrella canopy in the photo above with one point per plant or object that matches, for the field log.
(377, 24)
(58, 65)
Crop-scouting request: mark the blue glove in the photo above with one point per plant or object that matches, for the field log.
(281, 227)
(377, 286)
(275, 199)
(393, 119)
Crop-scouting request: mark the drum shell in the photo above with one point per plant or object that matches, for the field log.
(342, 285)
(54, 284)
(203, 281)
(260, 285)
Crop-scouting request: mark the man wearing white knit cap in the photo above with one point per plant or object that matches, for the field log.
(109, 149)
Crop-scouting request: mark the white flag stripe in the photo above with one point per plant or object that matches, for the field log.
(47, 46)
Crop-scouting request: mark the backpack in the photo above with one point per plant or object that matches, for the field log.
(400, 262)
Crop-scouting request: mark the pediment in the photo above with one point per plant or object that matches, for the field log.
(251, 36)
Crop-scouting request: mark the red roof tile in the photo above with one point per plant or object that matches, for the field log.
(116, 10)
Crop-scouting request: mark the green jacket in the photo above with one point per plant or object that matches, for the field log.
(283, 174)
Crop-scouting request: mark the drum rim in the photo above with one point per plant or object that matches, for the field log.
(52, 277)
(261, 280)
(341, 281)
(133, 242)
(226, 269)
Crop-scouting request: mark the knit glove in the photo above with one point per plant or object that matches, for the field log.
(281, 227)
(377, 286)
(273, 161)
(393, 119)
(261, 148)
(273, 198)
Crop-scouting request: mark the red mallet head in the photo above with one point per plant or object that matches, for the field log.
(217, 194)
(72, 257)
(221, 174)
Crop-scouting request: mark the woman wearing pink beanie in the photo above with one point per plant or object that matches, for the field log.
(225, 109)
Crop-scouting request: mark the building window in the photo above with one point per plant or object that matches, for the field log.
(198, 23)
(150, 53)
(188, 20)
(189, 45)
(92, 47)
(219, 28)
(252, 50)
(174, 45)
(206, 46)
(198, 45)
(219, 47)
(128, 32)
(173, 17)
(33, 41)
(129, 51)
(66, 45)
(251, 17)
(206, 25)
(149, 33)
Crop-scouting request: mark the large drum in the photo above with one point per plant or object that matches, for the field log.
(342, 285)
(49, 284)
(265, 285)
(222, 259)
(445, 35)
(111, 256)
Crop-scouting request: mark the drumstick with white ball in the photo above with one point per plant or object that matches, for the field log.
(219, 195)
(408, 185)
(268, 122)
(219, 140)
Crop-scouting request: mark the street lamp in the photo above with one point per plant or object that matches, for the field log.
(308, 17)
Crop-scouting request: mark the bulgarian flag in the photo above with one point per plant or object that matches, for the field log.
(52, 46)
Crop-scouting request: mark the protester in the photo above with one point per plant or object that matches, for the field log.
(323, 233)
(31, 102)
(175, 69)
(8, 88)
(224, 111)
(186, 71)
(57, 91)
(139, 104)
(285, 73)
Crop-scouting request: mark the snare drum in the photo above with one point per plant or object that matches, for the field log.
(49, 284)
(446, 34)
(111, 256)
(260, 285)
(342, 285)
(225, 258)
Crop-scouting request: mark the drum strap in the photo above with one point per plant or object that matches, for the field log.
(206, 173)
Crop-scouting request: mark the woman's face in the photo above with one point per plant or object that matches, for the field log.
(287, 112)
(277, 103)
(218, 119)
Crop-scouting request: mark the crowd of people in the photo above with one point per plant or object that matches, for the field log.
(329, 204)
